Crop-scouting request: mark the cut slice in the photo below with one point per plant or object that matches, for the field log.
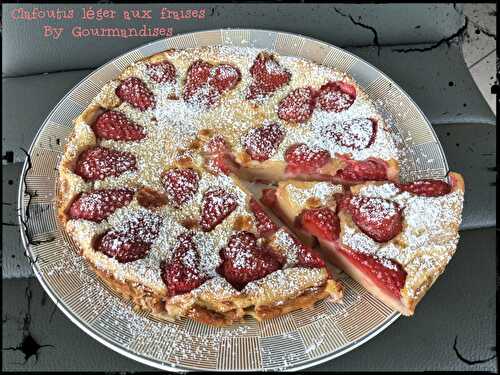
(398, 270)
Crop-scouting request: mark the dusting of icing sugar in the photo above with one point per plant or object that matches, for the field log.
(323, 191)
(285, 243)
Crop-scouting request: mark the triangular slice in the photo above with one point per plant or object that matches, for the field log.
(394, 239)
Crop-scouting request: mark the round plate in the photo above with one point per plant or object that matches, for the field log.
(294, 341)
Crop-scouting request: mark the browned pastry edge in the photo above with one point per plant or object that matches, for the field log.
(147, 300)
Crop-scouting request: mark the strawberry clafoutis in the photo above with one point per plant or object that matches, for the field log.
(151, 189)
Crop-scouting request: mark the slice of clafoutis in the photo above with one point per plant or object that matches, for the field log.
(394, 239)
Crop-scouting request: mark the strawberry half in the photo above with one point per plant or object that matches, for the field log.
(357, 133)
(97, 205)
(336, 96)
(216, 206)
(216, 153)
(378, 218)
(385, 273)
(365, 170)
(97, 163)
(302, 159)
(265, 226)
(135, 92)
(243, 260)
(261, 143)
(181, 273)
(427, 188)
(133, 240)
(298, 106)
(180, 185)
(320, 222)
(268, 76)
(161, 72)
(205, 83)
(115, 125)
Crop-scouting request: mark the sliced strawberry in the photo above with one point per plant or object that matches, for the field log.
(261, 143)
(302, 159)
(97, 205)
(225, 77)
(150, 198)
(298, 106)
(336, 96)
(427, 188)
(216, 206)
(268, 76)
(205, 83)
(216, 152)
(385, 273)
(181, 273)
(269, 197)
(307, 257)
(216, 145)
(180, 185)
(115, 125)
(320, 222)
(133, 240)
(136, 93)
(97, 163)
(161, 72)
(378, 218)
(243, 260)
(365, 170)
(357, 133)
(265, 225)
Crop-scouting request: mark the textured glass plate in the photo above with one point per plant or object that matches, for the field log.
(295, 341)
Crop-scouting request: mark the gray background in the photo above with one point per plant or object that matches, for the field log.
(37, 72)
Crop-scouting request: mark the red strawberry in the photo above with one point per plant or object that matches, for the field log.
(357, 133)
(261, 143)
(378, 218)
(132, 240)
(298, 106)
(97, 163)
(320, 222)
(136, 93)
(115, 125)
(365, 170)
(307, 257)
(97, 205)
(265, 225)
(216, 155)
(205, 83)
(243, 260)
(161, 72)
(181, 274)
(269, 198)
(180, 185)
(216, 206)
(387, 274)
(268, 76)
(427, 188)
(336, 96)
(302, 159)
(216, 145)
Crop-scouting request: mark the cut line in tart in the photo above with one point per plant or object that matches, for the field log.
(153, 182)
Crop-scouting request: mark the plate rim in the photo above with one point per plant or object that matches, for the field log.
(167, 365)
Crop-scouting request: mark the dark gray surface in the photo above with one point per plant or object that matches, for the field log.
(473, 157)
(417, 23)
(461, 304)
(425, 76)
